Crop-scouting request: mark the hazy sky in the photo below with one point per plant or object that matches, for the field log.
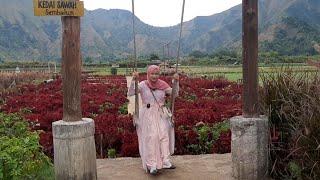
(165, 12)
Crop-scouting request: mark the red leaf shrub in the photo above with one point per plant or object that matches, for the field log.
(200, 100)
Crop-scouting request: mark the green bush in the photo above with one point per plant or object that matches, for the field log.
(114, 71)
(207, 136)
(20, 153)
(123, 109)
(112, 153)
(292, 101)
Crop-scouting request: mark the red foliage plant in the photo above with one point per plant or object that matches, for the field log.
(200, 100)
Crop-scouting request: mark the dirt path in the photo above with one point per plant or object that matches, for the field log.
(197, 167)
(131, 104)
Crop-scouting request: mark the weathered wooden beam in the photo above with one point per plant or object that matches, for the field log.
(73, 136)
(71, 68)
(250, 58)
(250, 132)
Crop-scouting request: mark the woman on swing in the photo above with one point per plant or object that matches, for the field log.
(154, 128)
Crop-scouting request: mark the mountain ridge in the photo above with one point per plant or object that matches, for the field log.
(107, 34)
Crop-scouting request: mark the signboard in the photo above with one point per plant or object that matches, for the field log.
(58, 8)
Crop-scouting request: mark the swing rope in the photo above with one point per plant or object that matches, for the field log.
(177, 62)
(180, 35)
(136, 114)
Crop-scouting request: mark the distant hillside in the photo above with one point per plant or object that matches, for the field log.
(289, 27)
(292, 30)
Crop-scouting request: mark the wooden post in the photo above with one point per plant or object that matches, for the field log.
(163, 52)
(136, 83)
(73, 136)
(250, 58)
(101, 146)
(250, 132)
(127, 72)
(49, 67)
(55, 67)
(71, 68)
(168, 49)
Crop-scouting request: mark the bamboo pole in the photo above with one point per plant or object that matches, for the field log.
(136, 83)
(177, 62)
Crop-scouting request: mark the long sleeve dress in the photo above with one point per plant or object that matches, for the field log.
(155, 134)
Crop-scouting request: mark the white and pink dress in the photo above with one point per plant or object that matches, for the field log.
(155, 134)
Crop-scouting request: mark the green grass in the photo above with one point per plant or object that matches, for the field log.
(107, 71)
(232, 73)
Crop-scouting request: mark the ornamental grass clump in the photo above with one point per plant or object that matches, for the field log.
(292, 101)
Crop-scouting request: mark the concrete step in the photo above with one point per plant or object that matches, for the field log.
(189, 167)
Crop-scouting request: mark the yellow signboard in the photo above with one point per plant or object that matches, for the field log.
(58, 8)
